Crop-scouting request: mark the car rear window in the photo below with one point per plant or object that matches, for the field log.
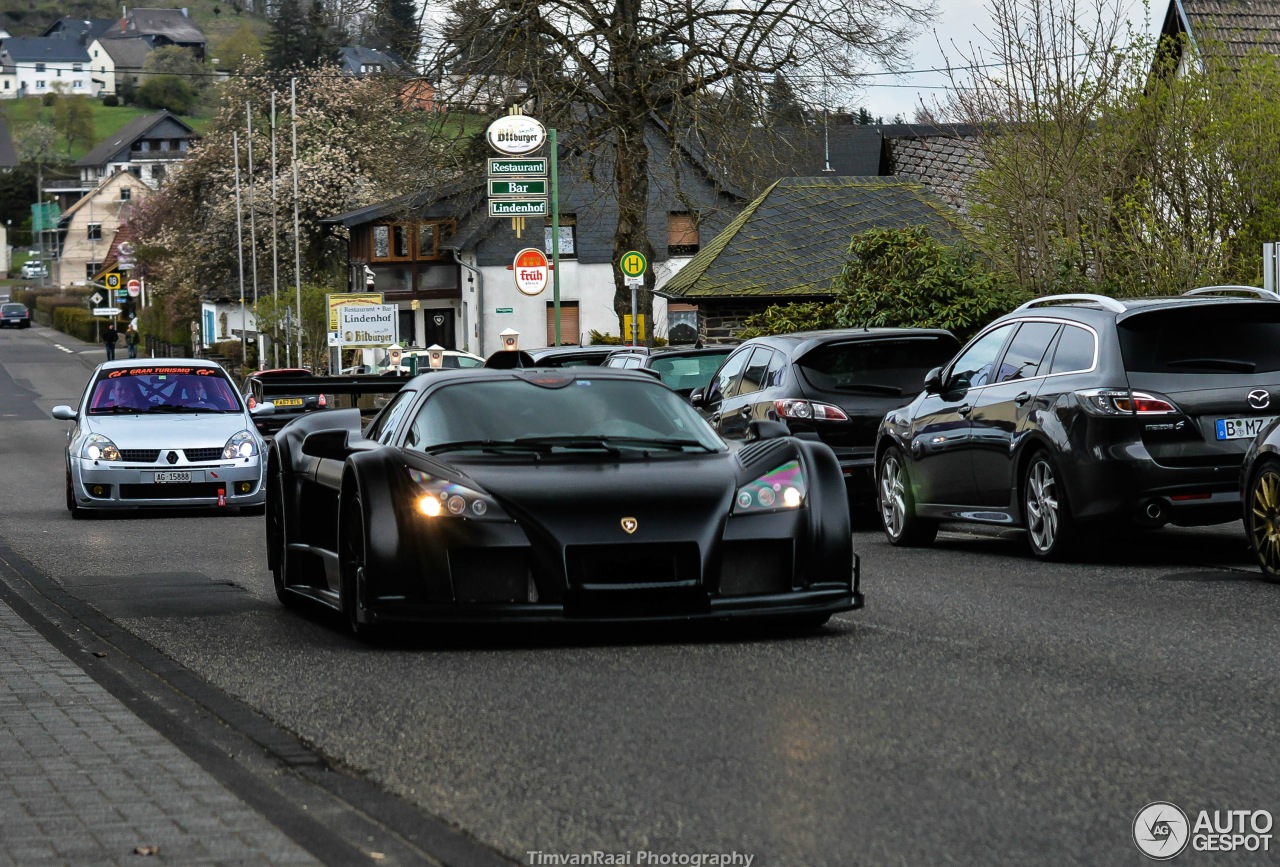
(688, 371)
(895, 366)
(1226, 338)
(14, 308)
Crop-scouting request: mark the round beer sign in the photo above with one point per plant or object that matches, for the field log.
(516, 135)
(531, 270)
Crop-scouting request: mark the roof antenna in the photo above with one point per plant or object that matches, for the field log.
(826, 137)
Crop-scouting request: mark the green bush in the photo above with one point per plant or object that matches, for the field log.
(76, 322)
(111, 100)
(607, 339)
(167, 92)
(901, 278)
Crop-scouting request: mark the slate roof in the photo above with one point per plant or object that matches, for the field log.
(8, 156)
(128, 54)
(43, 49)
(352, 57)
(793, 239)
(944, 159)
(1238, 24)
(134, 129)
(169, 23)
(83, 29)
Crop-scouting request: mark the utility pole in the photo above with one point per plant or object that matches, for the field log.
(275, 248)
(235, 145)
(297, 237)
(253, 223)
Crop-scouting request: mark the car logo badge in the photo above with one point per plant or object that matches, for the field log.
(630, 525)
(172, 458)
(1259, 398)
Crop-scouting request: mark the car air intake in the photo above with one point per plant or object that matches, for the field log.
(140, 456)
(193, 491)
(203, 454)
(625, 567)
(756, 567)
(490, 574)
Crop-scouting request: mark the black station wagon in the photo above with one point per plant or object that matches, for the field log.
(1079, 411)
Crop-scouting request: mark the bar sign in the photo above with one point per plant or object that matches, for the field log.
(518, 187)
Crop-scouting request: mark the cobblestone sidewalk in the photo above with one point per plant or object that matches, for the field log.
(84, 781)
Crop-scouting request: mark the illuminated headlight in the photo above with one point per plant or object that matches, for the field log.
(779, 489)
(437, 498)
(241, 445)
(99, 448)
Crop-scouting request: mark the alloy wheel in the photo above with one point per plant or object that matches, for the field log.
(1264, 523)
(1042, 505)
(893, 505)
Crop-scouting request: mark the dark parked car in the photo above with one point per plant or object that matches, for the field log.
(683, 369)
(837, 384)
(571, 356)
(553, 495)
(288, 406)
(15, 314)
(1080, 410)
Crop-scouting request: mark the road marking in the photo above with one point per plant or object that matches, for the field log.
(63, 348)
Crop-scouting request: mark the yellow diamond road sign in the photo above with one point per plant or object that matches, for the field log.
(633, 263)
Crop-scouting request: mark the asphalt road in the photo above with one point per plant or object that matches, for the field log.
(983, 708)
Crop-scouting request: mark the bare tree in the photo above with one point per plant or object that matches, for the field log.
(609, 69)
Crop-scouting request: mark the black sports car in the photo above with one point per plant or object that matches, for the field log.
(553, 495)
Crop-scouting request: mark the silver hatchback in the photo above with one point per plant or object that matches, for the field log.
(160, 433)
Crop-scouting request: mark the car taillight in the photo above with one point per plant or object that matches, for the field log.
(808, 409)
(1122, 401)
(322, 401)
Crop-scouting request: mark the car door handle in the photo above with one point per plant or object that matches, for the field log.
(1022, 398)
(965, 409)
(745, 412)
(714, 419)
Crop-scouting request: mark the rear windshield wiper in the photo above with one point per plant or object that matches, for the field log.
(1219, 363)
(870, 388)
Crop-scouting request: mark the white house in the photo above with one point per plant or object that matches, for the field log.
(116, 61)
(89, 226)
(36, 65)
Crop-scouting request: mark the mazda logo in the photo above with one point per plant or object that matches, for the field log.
(1259, 398)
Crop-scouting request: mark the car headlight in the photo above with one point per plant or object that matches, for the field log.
(241, 445)
(779, 489)
(99, 448)
(441, 498)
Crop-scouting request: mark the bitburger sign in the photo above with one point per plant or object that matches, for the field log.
(516, 135)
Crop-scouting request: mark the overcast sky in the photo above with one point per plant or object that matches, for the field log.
(959, 24)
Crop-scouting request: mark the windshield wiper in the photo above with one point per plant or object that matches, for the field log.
(658, 443)
(1219, 363)
(174, 407)
(569, 442)
(871, 388)
(479, 445)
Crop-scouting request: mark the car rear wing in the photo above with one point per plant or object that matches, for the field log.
(368, 393)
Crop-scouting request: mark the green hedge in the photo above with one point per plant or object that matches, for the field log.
(76, 321)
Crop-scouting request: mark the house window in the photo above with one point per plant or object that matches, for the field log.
(90, 269)
(6, 84)
(95, 52)
(76, 85)
(95, 231)
(39, 67)
(77, 67)
(682, 233)
(391, 241)
(58, 73)
(157, 173)
(568, 323)
(40, 84)
(381, 242)
(568, 236)
(126, 193)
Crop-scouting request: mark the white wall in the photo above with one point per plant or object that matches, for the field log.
(77, 83)
(103, 67)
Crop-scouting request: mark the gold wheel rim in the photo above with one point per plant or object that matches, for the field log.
(1264, 531)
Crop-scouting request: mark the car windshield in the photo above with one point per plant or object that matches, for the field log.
(162, 389)
(892, 367)
(1226, 338)
(584, 414)
(687, 372)
(14, 308)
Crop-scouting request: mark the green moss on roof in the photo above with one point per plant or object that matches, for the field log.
(794, 238)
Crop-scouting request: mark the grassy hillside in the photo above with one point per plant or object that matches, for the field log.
(21, 113)
(217, 19)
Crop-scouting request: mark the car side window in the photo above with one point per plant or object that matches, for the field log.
(1027, 350)
(1075, 352)
(725, 382)
(777, 369)
(975, 366)
(615, 361)
(384, 426)
(754, 374)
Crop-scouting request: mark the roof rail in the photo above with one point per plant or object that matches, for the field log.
(1100, 300)
(1224, 290)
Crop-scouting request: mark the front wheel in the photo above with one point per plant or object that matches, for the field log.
(353, 565)
(1051, 531)
(1263, 518)
(72, 506)
(278, 554)
(897, 503)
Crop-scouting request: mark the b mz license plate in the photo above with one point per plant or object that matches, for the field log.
(1242, 428)
(160, 478)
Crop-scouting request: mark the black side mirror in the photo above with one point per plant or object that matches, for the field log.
(767, 429)
(697, 397)
(329, 444)
(933, 381)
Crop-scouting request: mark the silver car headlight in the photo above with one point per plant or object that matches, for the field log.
(780, 489)
(98, 448)
(241, 445)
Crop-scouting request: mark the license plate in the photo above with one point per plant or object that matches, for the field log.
(161, 478)
(1242, 428)
(287, 401)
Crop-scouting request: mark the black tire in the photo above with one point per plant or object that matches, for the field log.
(1262, 517)
(1051, 530)
(352, 563)
(282, 562)
(77, 513)
(896, 505)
